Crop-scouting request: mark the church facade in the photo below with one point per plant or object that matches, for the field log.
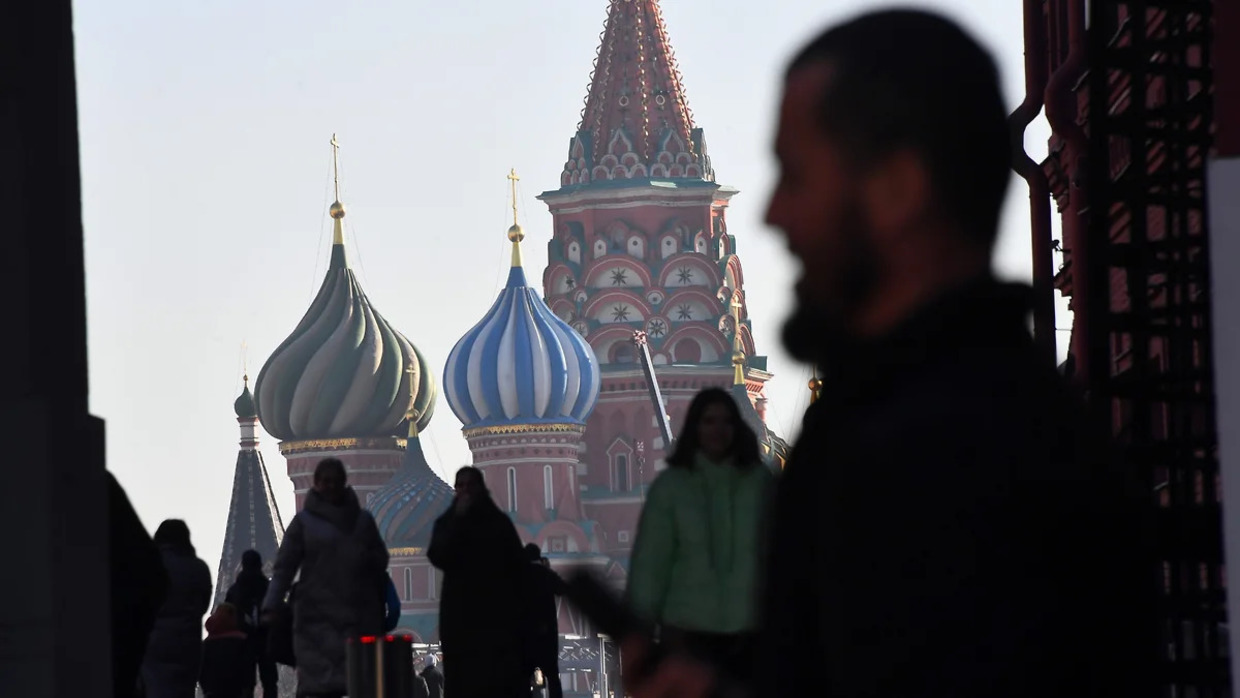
(555, 405)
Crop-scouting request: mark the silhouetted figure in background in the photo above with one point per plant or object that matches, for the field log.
(227, 662)
(343, 563)
(174, 649)
(139, 584)
(246, 595)
(419, 688)
(694, 568)
(432, 676)
(945, 525)
(477, 547)
(541, 619)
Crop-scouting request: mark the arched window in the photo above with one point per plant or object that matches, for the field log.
(623, 353)
(408, 584)
(512, 490)
(687, 351)
(622, 474)
(548, 488)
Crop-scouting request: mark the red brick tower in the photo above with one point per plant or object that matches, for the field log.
(641, 242)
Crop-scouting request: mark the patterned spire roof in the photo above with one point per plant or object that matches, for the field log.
(636, 122)
(254, 521)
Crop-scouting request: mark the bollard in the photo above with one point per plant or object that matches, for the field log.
(362, 656)
(380, 666)
(397, 666)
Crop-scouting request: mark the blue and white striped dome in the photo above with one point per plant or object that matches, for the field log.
(521, 365)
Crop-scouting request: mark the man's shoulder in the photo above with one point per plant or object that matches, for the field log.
(970, 407)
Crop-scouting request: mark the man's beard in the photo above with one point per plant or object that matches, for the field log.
(823, 317)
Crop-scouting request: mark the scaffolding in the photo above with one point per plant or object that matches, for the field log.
(1149, 312)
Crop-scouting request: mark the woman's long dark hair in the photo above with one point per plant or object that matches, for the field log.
(174, 534)
(744, 450)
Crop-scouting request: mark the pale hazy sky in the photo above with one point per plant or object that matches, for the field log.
(206, 173)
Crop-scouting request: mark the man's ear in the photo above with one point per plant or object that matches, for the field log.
(896, 193)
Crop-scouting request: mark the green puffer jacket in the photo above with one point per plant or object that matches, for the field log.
(695, 560)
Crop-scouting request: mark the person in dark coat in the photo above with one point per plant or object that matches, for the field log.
(174, 649)
(541, 619)
(336, 546)
(227, 662)
(246, 595)
(432, 676)
(948, 524)
(139, 584)
(419, 688)
(477, 547)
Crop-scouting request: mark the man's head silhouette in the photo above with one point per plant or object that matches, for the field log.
(894, 160)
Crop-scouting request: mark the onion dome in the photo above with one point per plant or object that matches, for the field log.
(244, 404)
(405, 509)
(344, 372)
(521, 364)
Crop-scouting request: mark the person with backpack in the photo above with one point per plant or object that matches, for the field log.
(246, 595)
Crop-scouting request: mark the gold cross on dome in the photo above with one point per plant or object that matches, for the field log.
(512, 177)
(335, 167)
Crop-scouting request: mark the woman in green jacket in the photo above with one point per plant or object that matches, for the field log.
(694, 566)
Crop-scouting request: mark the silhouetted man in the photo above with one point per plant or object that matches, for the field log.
(477, 547)
(246, 594)
(541, 619)
(432, 676)
(944, 526)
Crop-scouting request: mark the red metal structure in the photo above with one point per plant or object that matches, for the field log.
(1130, 100)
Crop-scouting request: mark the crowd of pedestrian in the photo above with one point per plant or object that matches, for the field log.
(330, 584)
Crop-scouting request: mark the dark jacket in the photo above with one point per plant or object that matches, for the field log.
(247, 594)
(540, 617)
(139, 584)
(434, 681)
(343, 563)
(174, 649)
(948, 526)
(479, 610)
(419, 688)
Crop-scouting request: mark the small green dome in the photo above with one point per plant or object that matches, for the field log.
(244, 405)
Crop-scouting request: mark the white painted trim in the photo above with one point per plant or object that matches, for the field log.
(548, 487)
(1223, 176)
(510, 482)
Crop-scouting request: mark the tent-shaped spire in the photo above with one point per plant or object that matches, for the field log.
(253, 519)
(636, 123)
